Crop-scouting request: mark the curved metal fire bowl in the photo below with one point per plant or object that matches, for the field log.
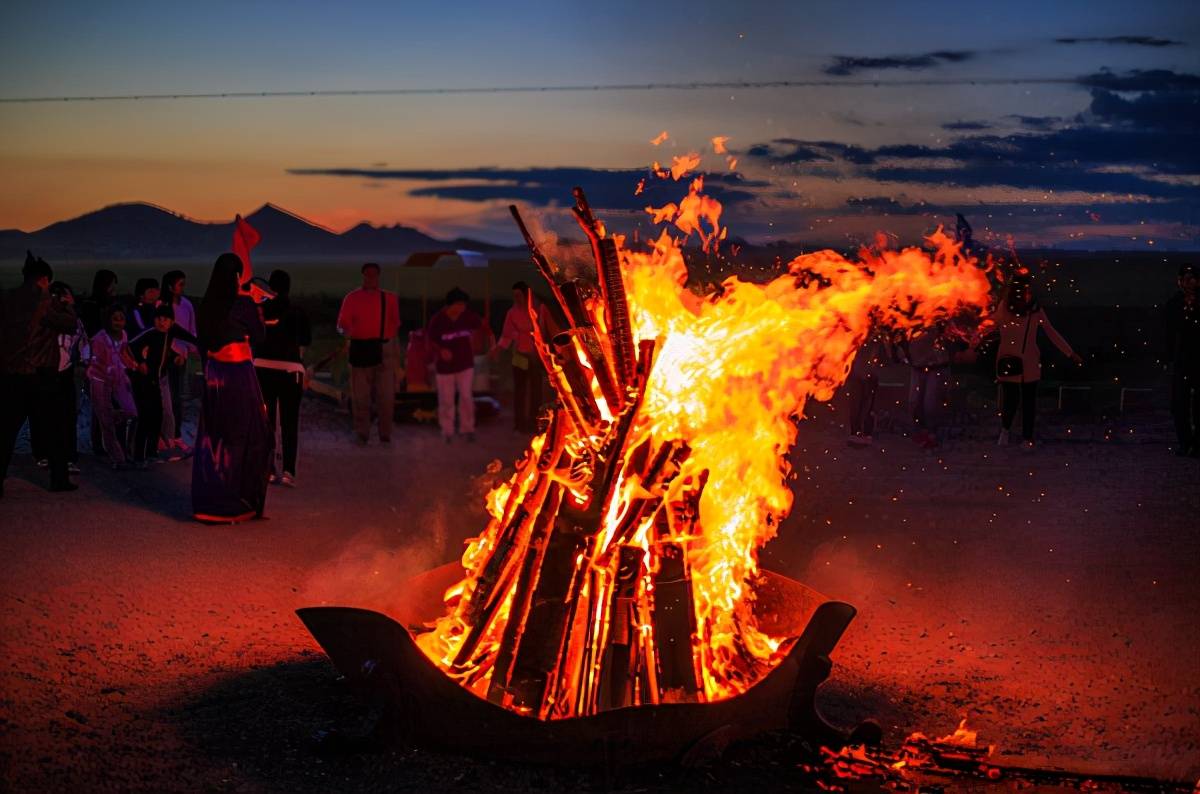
(378, 655)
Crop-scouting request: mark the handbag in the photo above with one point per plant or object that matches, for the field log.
(369, 352)
(1014, 366)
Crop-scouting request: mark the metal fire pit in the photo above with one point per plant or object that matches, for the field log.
(378, 655)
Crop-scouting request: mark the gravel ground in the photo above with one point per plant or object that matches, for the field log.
(1049, 598)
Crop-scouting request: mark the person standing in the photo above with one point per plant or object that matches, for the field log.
(1018, 360)
(862, 385)
(929, 356)
(451, 334)
(279, 363)
(94, 309)
(73, 349)
(110, 391)
(527, 370)
(30, 325)
(370, 319)
(173, 284)
(153, 350)
(233, 441)
(1183, 351)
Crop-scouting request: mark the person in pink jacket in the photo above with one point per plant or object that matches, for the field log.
(1018, 361)
(108, 383)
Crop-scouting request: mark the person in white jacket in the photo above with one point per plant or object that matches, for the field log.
(1018, 361)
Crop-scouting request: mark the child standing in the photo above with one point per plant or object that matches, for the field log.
(152, 351)
(108, 383)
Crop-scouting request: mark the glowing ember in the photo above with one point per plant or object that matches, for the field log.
(618, 564)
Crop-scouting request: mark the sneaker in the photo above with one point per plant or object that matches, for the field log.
(272, 478)
(288, 479)
(73, 468)
(44, 463)
(1003, 440)
(121, 465)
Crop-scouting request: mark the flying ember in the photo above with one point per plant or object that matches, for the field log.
(619, 563)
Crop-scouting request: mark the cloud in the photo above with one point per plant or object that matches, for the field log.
(957, 126)
(845, 65)
(1137, 41)
(783, 151)
(1141, 80)
(610, 189)
(1037, 122)
(1120, 145)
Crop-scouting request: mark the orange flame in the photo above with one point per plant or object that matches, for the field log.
(718, 144)
(734, 371)
(660, 138)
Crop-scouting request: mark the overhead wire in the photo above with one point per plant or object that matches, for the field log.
(534, 89)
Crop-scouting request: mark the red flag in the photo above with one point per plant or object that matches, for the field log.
(245, 237)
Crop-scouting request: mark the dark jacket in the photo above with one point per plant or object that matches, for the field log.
(31, 321)
(153, 348)
(288, 330)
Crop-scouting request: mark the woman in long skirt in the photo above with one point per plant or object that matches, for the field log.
(233, 440)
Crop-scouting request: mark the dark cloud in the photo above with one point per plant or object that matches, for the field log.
(1118, 146)
(783, 151)
(845, 65)
(960, 126)
(1038, 122)
(1137, 41)
(1141, 80)
(1174, 210)
(1176, 111)
(609, 189)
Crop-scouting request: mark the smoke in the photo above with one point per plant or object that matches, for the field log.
(551, 232)
(371, 568)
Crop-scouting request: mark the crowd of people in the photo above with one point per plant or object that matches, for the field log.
(1012, 331)
(135, 355)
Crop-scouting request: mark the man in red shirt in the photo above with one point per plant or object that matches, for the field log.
(527, 370)
(452, 332)
(370, 319)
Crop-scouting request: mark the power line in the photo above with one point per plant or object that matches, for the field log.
(547, 89)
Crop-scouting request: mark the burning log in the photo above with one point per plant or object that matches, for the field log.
(608, 269)
(674, 622)
(542, 640)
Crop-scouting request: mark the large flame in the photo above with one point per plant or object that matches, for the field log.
(734, 371)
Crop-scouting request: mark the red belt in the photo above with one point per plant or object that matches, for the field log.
(233, 353)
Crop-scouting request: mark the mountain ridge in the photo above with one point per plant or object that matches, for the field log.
(140, 230)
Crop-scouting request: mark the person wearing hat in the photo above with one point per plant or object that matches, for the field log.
(452, 333)
(1183, 351)
(370, 319)
(1018, 361)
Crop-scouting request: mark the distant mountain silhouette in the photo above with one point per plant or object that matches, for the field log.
(139, 231)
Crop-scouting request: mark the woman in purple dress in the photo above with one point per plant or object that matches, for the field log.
(233, 441)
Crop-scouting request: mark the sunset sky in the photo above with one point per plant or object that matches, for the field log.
(1107, 156)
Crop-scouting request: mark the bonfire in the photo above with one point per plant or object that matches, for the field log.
(619, 563)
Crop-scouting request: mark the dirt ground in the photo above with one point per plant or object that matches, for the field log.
(1049, 598)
